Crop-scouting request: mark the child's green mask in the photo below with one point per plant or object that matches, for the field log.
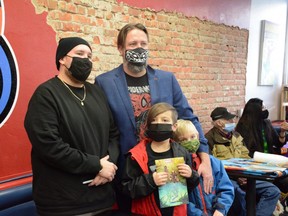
(191, 145)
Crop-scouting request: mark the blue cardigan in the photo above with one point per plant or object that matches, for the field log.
(163, 88)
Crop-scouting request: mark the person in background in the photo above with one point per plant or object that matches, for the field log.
(225, 144)
(140, 180)
(133, 87)
(257, 130)
(201, 204)
(74, 138)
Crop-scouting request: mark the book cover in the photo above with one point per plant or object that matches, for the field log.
(174, 192)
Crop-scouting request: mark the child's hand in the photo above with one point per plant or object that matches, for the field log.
(160, 178)
(184, 170)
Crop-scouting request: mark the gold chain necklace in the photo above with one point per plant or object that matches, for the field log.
(81, 100)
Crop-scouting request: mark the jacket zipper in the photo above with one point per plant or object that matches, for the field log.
(202, 198)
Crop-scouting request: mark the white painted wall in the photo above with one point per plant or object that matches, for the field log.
(274, 11)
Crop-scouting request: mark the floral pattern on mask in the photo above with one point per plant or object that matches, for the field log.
(137, 56)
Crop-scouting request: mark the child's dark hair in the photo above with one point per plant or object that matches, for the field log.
(159, 108)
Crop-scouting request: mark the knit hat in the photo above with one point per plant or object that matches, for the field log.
(67, 44)
(221, 112)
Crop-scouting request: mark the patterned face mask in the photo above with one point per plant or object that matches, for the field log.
(191, 145)
(137, 56)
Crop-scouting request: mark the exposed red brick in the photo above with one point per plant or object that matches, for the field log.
(209, 60)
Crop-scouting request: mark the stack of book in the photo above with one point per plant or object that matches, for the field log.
(262, 164)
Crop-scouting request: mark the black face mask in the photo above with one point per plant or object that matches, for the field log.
(159, 132)
(80, 68)
(265, 114)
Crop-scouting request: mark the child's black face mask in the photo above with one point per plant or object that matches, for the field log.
(159, 132)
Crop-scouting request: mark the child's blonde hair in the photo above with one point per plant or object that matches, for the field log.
(184, 126)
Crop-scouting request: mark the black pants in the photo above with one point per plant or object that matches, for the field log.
(282, 184)
(124, 202)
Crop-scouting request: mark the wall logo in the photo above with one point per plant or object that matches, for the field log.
(8, 78)
(8, 81)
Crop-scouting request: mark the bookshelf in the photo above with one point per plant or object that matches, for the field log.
(284, 102)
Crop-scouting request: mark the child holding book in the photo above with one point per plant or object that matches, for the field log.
(140, 180)
(220, 200)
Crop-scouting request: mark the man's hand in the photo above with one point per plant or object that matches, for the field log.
(205, 171)
(108, 170)
(98, 180)
(242, 181)
(106, 174)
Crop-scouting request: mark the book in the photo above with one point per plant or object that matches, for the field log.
(271, 159)
(175, 191)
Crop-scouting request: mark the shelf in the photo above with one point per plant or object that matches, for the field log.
(284, 102)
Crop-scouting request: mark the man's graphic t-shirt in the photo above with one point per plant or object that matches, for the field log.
(141, 101)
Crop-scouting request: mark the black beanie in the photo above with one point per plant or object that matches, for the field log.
(67, 44)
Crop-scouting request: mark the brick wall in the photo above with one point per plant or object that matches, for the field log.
(208, 59)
